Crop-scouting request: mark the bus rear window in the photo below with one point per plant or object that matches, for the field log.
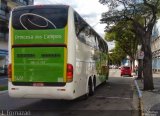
(39, 19)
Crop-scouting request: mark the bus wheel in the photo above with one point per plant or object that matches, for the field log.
(91, 87)
(90, 90)
(85, 97)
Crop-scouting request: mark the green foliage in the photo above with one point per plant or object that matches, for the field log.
(116, 55)
(130, 22)
(125, 39)
(142, 14)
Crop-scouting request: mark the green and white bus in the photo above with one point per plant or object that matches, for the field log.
(54, 54)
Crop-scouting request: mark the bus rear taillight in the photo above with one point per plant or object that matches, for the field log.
(69, 73)
(9, 72)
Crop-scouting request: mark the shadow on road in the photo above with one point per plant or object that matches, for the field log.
(110, 99)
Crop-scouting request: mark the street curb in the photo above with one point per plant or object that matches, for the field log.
(3, 92)
(141, 108)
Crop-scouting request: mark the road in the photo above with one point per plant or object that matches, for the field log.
(114, 98)
(3, 80)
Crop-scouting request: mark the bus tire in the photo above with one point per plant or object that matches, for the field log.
(94, 81)
(85, 97)
(91, 87)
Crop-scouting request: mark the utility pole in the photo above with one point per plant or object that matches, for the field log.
(140, 55)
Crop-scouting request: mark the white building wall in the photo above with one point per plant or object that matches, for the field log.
(155, 45)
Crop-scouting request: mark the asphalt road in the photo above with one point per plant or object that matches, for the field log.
(114, 98)
(3, 80)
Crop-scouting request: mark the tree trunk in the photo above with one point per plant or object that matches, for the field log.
(140, 68)
(144, 33)
(147, 64)
(133, 65)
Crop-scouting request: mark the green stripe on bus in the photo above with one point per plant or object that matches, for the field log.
(34, 64)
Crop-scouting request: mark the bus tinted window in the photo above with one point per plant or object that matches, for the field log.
(87, 35)
(37, 19)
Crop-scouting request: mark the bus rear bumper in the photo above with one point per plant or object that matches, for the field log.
(45, 92)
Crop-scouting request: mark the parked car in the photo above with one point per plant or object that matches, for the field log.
(126, 70)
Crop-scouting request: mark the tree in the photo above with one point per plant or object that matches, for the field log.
(116, 55)
(143, 16)
(124, 37)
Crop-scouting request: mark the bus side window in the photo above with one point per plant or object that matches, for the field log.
(80, 26)
(76, 23)
(100, 45)
(97, 42)
(93, 38)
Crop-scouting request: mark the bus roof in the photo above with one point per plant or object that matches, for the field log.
(40, 6)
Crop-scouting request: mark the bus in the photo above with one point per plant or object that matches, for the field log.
(54, 54)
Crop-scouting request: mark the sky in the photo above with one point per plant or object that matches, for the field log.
(90, 10)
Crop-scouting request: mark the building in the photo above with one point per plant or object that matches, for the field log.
(155, 44)
(5, 8)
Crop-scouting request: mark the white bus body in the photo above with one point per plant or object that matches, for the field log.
(87, 73)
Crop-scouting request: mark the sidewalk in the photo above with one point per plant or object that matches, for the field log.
(150, 101)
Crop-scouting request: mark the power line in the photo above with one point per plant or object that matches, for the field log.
(95, 24)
